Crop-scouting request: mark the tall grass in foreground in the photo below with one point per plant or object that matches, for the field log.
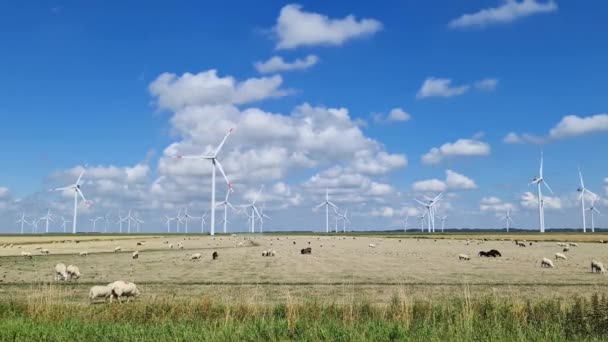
(201, 319)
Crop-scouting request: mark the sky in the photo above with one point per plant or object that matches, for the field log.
(379, 103)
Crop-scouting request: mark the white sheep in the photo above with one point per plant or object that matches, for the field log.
(44, 251)
(124, 289)
(463, 257)
(171, 246)
(135, 255)
(61, 272)
(73, 272)
(104, 292)
(597, 266)
(117, 249)
(26, 254)
(573, 244)
(546, 263)
(273, 253)
(560, 256)
(195, 256)
(84, 253)
(371, 245)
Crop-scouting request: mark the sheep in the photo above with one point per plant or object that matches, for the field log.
(306, 251)
(44, 251)
(140, 244)
(273, 253)
(96, 292)
(61, 272)
(546, 263)
(84, 253)
(560, 256)
(463, 257)
(135, 255)
(26, 254)
(171, 246)
(195, 256)
(124, 289)
(371, 245)
(566, 249)
(117, 249)
(73, 272)
(38, 247)
(573, 244)
(214, 255)
(597, 266)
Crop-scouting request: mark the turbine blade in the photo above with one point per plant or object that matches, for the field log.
(79, 178)
(548, 187)
(257, 212)
(257, 195)
(415, 199)
(81, 195)
(219, 166)
(580, 176)
(219, 147)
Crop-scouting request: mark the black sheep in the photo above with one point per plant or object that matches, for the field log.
(214, 255)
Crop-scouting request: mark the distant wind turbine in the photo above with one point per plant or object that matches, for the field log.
(23, 221)
(508, 219)
(226, 204)
(77, 192)
(581, 197)
(47, 218)
(592, 209)
(327, 204)
(541, 206)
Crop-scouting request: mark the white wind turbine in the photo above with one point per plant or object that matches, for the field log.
(178, 220)
(47, 218)
(107, 221)
(254, 211)
(591, 209)
(405, 223)
(421, 217)
(121, 219)
(94, 221)
(430, 209)
(327, 204)
(77, 192)
(443, 218)
(581, 197)
(129, 218)
(187, 218)
(64, 224)
(169, 219)
(214, 163)
(137, 222)
(203, 221)
(226, 204)
(541, 206)
(345, 220)
(35, 225)
(262, 217)
(23, 221)
(508, 219)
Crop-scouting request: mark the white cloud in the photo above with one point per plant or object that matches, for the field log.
(456, 181)
(206, 88)
(530, 201)
(572, 125)
(4, 193)
(295, 28)
(346, 185)
(277, 64)
(459, 148)
(453, 181)
(512, 138)
(395, 115)
(487, 84)
(495, 204)
(383, 212)
(440, 87)
(509, 11)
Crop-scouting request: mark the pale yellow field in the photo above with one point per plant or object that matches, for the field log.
(339, 267)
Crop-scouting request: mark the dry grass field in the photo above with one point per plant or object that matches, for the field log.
(341, 268)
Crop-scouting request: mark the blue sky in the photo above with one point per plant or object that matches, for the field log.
(77, 85)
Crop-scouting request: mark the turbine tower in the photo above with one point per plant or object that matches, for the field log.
(541, 206)
(47, 218)
(23, 221)
(581, 197)
(327, 204)
(592, 208)
(77, 192)
(214, 163)
(508, 219)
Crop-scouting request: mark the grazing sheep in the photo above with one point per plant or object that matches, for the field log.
(171, 246)
(26, 254)
(38, 247)
(73, 272)
(44, 251)
(294, 242)
(560, 256)
(566, 249)
(135, 255)
(124, 289)
(140, 244)
(573, 244)
(117, 249)
(84, 253)
(491, 253)
(371, 245)
(463, 257)
(306, 251)
(195, 256)
(546, 263)
(214, 255)
(97, 292)
(597, 266)
(521, 244)
(61, 272)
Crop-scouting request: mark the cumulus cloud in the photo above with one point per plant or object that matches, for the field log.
(530, 201)
(453, 181)
(207, 88)
(296, 27)
(573, 125)
(487, 84)
(509, 11)
(495, 205)
(440, 87)
(346, 185)
(395, 115)
(277, 64)
(459, 148)
(512, 138)
(4, 193)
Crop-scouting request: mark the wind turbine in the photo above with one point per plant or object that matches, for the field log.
(254, 211)
(405, 223)
(203, 221)
(344, 220)
(443, 218)
(23, 221)
(214, 163)
(169, 219)
(581, 197)
(35, 225)
(77, 192)
(430, 208)
(137, 222)
(187, 218)
(421, 217)
(262, 217)
(327, 204)
(592, 208)
(105, 218)
(47, 218)
(94, 220)
(179, 220)
(541, 206)
(129, 218)
(64, 224)
(508, 219)
(226, 204)
(121, 219)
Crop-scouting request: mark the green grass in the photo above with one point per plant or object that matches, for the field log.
(201, 319)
